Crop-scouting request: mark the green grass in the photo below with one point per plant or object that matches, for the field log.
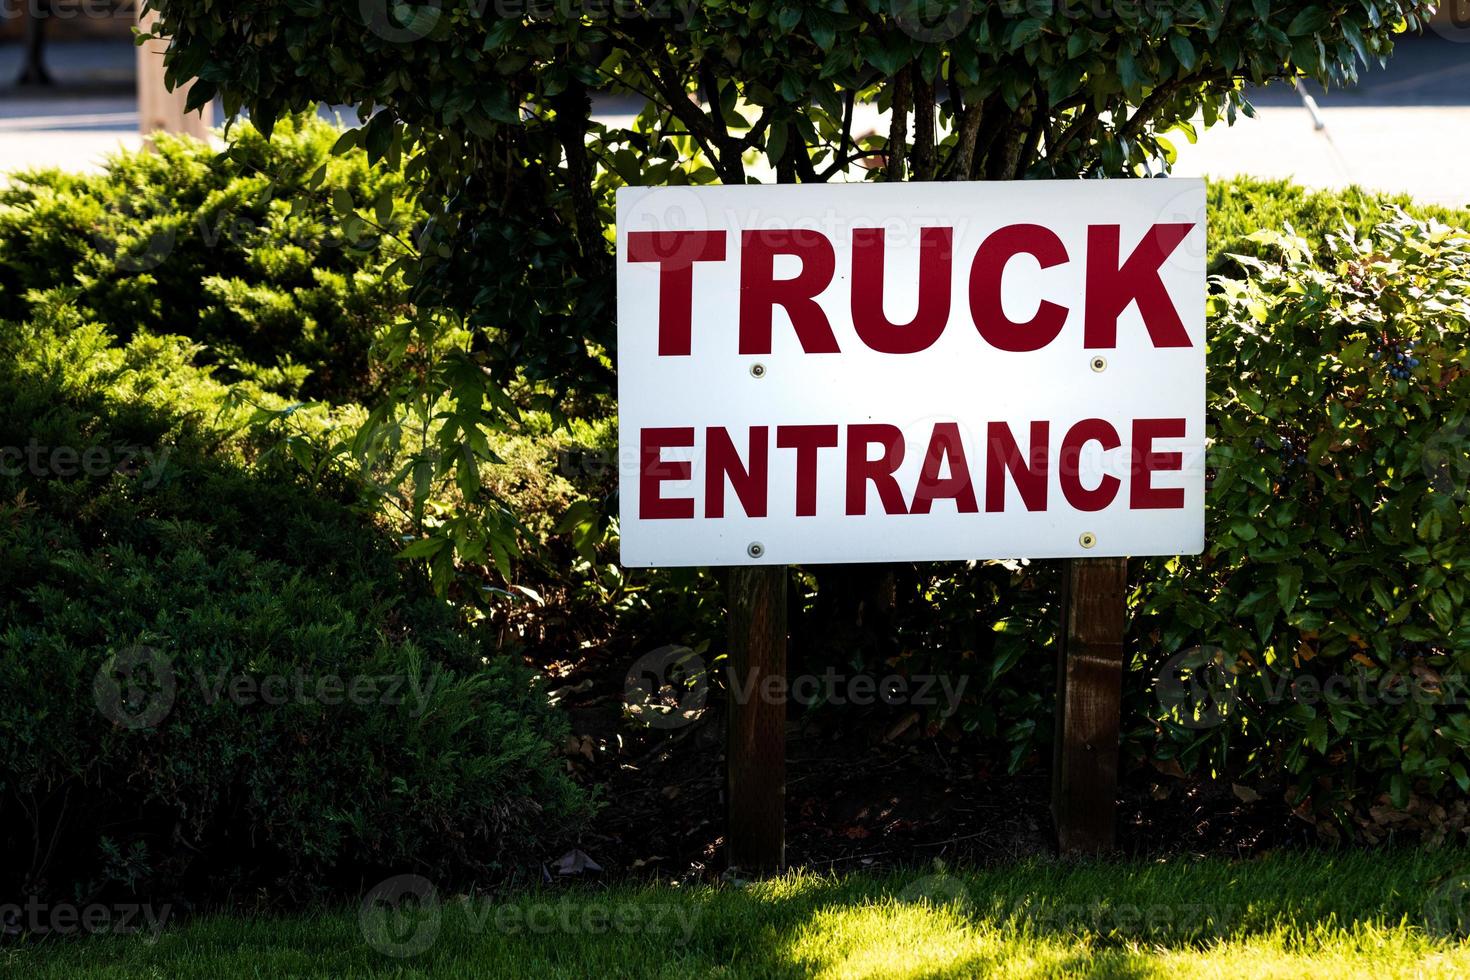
(1286, 915)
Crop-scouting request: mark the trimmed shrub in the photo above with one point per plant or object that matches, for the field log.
(240, 251)
(215, 682)
(1241, 206)
(1320, 645)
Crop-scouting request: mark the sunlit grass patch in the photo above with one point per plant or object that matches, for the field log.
(1386, 913)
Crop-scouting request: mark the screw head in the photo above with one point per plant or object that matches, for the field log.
(757, 370)
(1099, 363)
(1087, 540)
(755, 549)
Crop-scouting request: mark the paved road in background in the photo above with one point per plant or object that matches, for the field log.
(90, 113)
(1404, 128)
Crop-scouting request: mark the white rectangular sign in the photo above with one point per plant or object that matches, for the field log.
(911, 371)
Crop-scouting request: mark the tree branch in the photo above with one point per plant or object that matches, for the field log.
(923, 95)
(839, 159)
(898, 128)
(573, 116)
(961, 157)
(1039, 118)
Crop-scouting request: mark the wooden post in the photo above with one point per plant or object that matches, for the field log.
(1089, 695)
(755, 750)
(158, 108)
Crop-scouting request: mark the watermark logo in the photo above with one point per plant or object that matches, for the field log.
(1196, 688)
(667, 688)
(1446, 459)
(939, 890)
(135, 687)
(1447, 910)
(404, 916)
(94, 462)
(932, 21)
(401, 917)
(135, 241)
(38, 918)
(1452, 21)
(1183, 920)
(400, 23)
(138, 687)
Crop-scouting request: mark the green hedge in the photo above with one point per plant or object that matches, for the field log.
(1244, 205)
(1333, 463)
(150, 564)
(240, 251)
(1329, 618)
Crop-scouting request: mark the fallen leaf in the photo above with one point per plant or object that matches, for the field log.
(1169, 767)
(575, 862)
(904, 724)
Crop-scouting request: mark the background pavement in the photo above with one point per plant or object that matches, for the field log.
(90, 112)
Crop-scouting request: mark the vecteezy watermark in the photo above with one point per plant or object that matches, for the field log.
(62, 10)
(1196, 688)
(399, 22)
(1447, 910)
(678, 12)
(1200, 687)
(135, 687)
(669, 687)
(401, 916)
(1446, 457)
(1192, 920)
(932, 21)
(1452, 21)
(66, 462)
(404, 915)
(940, 21)
(138, 687)
(140, 238)
(938, 890)
(1195, 920)
(862, 690)
(35, 917)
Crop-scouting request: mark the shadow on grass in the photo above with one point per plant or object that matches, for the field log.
(1298, 914)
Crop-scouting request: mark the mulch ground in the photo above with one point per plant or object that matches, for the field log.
(859, 796)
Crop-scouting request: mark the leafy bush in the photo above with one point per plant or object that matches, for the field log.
(489, 111)
(148, 569)
(240, 251)
(1244, 205)
(1320, 646)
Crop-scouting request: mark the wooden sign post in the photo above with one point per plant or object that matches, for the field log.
(1089, 693)
(755, 749)
(912, 371)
